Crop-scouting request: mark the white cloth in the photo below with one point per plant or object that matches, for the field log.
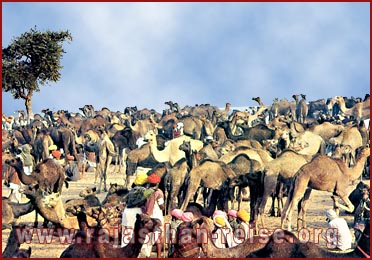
(27, 170)
(158, 214)
(128, 220)
(222, 236)
(341, 235)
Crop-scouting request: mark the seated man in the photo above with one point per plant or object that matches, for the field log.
(72, 169)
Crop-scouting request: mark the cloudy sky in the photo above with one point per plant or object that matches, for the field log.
(126, 54)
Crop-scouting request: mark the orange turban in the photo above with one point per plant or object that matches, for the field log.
(56, 154)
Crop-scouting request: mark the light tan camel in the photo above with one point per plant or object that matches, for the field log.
(326, 130)
(171, 152)
(350, 136)
(307, 143)
(325, 174)
(259, 155)
(285, 165)
(360, 111)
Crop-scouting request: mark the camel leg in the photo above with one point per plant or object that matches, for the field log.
(302, 207)
(291, 203)
(191, 189)
(349, 206)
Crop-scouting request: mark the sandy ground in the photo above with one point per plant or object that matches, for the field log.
(319, 202)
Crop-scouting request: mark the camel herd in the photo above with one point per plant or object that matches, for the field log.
(285, 149)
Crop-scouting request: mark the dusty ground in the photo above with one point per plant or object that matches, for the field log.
(319, 202)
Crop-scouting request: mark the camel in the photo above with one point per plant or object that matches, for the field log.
(138, 157)
(243, 165)
(307, 143)
(282, 107)
(12, 249)
(200, 244)
(106, 152)
(89, 199)
(326, 174)
(41, 144)
(124, 142)
(11, 211)
(360, 111)
(64, 138)
(349, 136)
(48, 174)
(284, 244)
(141, 127)
(326, 130)
(176, 176)
(171, 153)
(212, 174)
(197, 127)
(96, 249)
(285, 165)
(259, 155)
(301, 108)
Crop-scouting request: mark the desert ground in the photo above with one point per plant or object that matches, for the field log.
(319, 202)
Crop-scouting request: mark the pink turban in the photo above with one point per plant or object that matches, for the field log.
(177, 213)
(220, 213)
(232, 212)
(187, 217)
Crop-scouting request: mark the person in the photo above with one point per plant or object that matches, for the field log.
(131, 210)
(12, 181)
(72, 169)
(51, 148)
(361, 216)
(341, 237)
(243, 222)
(57, 157)
(24, 153)
(222, 235)
(232, 215)
(154, 208)
(177, 130)
(178, 217)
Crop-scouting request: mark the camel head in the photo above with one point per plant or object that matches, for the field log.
(185, 146)
(88, 191)
(150, 136)
(363, 152)
(145, 222)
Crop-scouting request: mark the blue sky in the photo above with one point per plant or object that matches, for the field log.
(126, 54)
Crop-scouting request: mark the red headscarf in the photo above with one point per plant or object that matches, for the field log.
(153, 178)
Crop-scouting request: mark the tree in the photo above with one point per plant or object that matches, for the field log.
(31, 60)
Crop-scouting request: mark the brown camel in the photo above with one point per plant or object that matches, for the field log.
(11, 211)
(176, 176)
(284, 244)
(48, 174)
(12, 249)
(326, 174)
(201, 242)
(212, 174)
(96, 249)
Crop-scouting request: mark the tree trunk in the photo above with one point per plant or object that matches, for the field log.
(28, 104)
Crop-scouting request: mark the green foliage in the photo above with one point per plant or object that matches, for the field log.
(31, 60)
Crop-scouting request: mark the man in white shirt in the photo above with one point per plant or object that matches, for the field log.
(339, 233)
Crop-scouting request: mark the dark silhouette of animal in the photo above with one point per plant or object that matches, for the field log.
(291, 247)
(95, 249)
